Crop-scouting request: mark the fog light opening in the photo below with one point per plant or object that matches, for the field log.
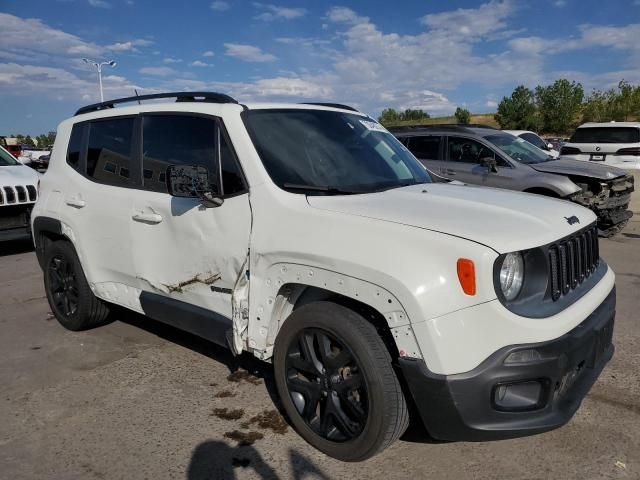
(520, 396)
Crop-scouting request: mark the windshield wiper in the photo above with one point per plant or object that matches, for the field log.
(319, 188)
(400, 185)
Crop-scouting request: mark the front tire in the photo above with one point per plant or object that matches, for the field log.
(336, 382)
(71, 300)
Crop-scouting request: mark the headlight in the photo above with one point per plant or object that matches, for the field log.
(512, 275)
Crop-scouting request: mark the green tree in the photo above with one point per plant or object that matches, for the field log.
(518, 112)
(388, 116)
(29, 141)
(559, 105)
(413, 114)
(462, 115)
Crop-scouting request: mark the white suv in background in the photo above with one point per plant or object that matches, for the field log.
(307, 235)
(613, 143)
(18, 194)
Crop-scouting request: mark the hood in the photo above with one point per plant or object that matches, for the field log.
(579, 167)
(18, 175)
(503, 220)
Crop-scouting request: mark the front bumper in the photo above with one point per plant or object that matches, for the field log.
(537, 393)
(15, 222)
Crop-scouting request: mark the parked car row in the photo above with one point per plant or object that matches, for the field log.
(309, 236)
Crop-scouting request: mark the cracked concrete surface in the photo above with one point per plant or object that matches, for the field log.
(134, 399)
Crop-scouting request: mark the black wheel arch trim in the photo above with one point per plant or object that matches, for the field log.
(43, 225)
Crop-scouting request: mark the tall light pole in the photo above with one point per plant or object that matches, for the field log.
(98, 66)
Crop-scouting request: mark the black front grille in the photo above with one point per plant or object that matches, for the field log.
(22, 193)
(10, 196)
(33, 194)
(572, 260)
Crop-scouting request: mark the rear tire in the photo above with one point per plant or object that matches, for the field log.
(336, 382)
(71, 300)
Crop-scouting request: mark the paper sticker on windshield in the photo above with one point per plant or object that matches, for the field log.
(371, 125)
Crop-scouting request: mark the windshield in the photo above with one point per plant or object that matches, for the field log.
(334, 152)
(518, 149)
(6, 158)
(606, 135)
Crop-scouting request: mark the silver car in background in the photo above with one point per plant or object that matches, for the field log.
(614, 143)
(482, 155)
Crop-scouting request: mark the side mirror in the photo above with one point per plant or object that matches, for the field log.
(192, 181)
(490, 163)
(550, 146)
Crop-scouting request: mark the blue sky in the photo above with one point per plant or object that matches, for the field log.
(429, 54)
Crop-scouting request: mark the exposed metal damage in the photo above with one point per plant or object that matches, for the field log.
(609, 200)
(203, 279)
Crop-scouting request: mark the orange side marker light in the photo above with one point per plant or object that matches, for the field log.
(467, 275)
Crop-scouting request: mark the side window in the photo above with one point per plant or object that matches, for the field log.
(109, 152)
(232, 181)
(177, 140)
(75, 146)
(467, 150)
(534, 139)
(426, 148)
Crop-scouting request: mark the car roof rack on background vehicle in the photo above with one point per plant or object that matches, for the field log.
(441, 126)
(206, 97)
(331, 105)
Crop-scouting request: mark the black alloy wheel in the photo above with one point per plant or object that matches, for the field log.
(63, 285)
(326, 385)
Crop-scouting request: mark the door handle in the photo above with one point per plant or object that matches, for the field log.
(75, 202)
(449, 172)
(152, 218)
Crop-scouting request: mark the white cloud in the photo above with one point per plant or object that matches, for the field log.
(31, 39)
(248, 53)
(198, 63)
(560, 3)
(491, 104)
(275, 12)
(158, 71)
(129, 46)
(208, 53)
(170, 60)
(468, 22)
(345, 15)
(99, 4)
(619, 38)
(220, 6)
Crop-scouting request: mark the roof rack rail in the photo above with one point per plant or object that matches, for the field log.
(442, 126)
(207, 97)
(332, 105)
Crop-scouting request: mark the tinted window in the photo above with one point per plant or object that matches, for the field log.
(427, 148)
(534, 140)
(467, 150)
(177, 140)
(7, 159)
(109, 153)
(231, 176)
(75, 146)
(319, 148)
(606, 135)
(518, 149)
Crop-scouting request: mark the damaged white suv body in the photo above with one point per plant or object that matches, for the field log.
(307, 235)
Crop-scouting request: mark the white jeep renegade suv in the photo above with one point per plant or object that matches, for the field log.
(309, 236)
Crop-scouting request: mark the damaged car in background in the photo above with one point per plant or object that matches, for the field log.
(481, 155)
